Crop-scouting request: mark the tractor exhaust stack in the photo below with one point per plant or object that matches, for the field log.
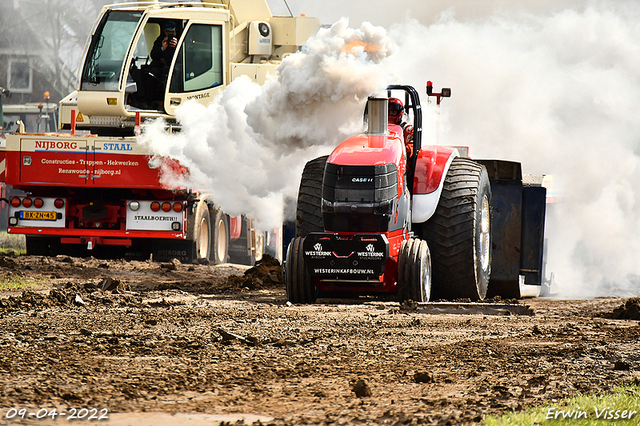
(378, 117)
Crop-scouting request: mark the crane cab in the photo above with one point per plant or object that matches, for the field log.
(125, 72)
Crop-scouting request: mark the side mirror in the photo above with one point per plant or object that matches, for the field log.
(446, 93)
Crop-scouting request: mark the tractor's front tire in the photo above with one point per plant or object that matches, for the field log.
(459, 233)
(414, 271)
(309, 206)
(300, 288)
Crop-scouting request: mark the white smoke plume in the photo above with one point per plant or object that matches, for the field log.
(248, 147)
(561, 94)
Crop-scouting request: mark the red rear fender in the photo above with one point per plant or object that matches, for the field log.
(431, 167)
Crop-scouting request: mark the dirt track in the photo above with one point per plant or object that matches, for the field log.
(172, 338)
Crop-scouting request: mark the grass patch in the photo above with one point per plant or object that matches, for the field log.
(13, 243)
(593, 410)
(12, 251)
(14, 283)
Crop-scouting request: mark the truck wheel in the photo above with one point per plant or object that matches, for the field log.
(300, 289)
(309, 208)
(414, 271)
(202, 232)
(459, 233)
(220, 237)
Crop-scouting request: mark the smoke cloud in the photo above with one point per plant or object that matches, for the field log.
(248, 147)
(559, 92)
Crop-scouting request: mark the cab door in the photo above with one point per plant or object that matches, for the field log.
(199, 70)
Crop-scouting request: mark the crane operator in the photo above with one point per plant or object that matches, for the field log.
(164, 47)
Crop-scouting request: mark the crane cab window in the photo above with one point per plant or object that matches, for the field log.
(108, 49)
(142, 52)
(151, 64)
(199, 62)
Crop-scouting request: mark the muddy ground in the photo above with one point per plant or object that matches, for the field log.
(167, 343)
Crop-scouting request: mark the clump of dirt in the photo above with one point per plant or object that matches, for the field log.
(423, 377)
(8, 261)
(630, 310)
(266, 273)
(409, 306)
(498, 299)
(361, 388)
(69, 295)
(114, 285)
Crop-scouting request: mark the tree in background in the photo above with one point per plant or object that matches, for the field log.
(41, 44)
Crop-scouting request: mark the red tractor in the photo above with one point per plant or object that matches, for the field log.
(384, 214)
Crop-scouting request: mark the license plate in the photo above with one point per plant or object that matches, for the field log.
(32, 215)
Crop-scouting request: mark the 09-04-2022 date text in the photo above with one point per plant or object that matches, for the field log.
(69, 414)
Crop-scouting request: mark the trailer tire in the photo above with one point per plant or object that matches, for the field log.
(414, 271)
(459, 233)
(202, 232)
(309, 206)
(300, 288)
(219, 237)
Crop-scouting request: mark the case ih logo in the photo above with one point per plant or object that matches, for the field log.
(50, 145)
(318, 247)
(361, 180)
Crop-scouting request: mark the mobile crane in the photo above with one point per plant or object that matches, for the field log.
(96, 189)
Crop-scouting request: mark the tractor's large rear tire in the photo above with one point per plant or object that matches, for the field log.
(299, 287)
(414, 271)
(309, 208)
(459, 234)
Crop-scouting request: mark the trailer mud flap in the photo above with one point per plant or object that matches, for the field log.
(166, 250)
(346, 257)
(517, 231)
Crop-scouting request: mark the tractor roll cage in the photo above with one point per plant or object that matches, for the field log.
(411, 102)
